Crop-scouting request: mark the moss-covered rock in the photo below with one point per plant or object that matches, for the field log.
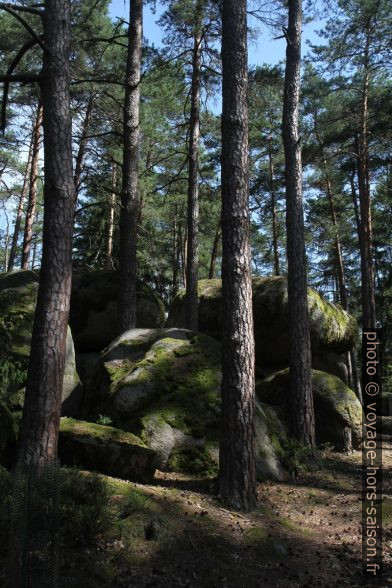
(106, 450)
(152, 377)
(332, 329)
(164, 385)
(336, 406)
(18, 295)
(271, 436)
(93, 315)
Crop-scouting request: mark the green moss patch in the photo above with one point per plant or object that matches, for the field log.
(98, 432)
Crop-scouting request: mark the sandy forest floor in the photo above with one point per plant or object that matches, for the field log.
(305, 534)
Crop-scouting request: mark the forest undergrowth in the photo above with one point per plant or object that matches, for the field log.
(176, 532)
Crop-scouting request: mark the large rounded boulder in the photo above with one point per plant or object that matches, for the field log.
(337, 409)
(331, 328)
(18, 296)
(93, 314)
(164, 386)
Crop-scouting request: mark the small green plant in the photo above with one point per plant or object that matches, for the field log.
(194, 460)
(136, 502)
(85, 510)
(298, 457)
(104, 420)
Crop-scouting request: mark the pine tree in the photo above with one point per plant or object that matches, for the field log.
(301, 396)
(237, 475)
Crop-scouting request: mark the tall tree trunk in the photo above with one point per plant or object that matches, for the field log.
(19, 213)
(182, 250)
(354, 198)
(110, 222)
(301, 397)
(129, 195)
(83, 145)
(35, 245)
(337, 244)
(184, 256)
(354, 363)
(353, 379)
(32, 204)
(6, 241)
(42, 407)
(366, 242)
(237, 476)
(191, 301)
(176, 252)
(215, 250)
(273, 210)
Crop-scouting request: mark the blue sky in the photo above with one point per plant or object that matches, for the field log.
(264, 50)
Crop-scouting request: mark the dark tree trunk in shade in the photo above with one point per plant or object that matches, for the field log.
(237, 480)
(19, 213)
(129, 211)
(42, 407)
(215, 251)
(32, 202)
(191, 301)
(301, 398)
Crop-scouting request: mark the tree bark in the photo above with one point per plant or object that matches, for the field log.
(237, 479)
(191, 299)
(42, 407)
(110, 222)
(19, 213)
(301, 397)
(32, 203)
(129, 196)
